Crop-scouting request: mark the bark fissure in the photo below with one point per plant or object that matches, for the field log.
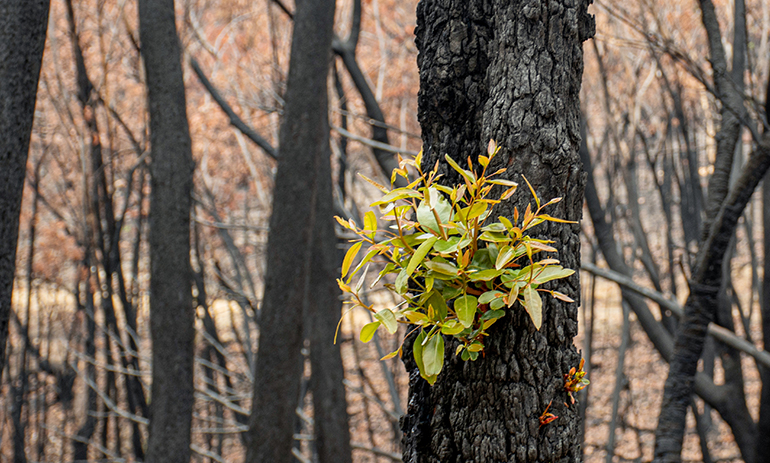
(494, 70)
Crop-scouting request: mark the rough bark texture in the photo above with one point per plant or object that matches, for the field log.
(23, 26)
(171, 310)
(304, 142)
(508, 71)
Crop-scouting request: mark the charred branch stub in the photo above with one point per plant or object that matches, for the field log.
(512, 73)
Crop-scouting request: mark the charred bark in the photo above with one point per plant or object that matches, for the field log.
(172, 315)
(304, 145)
(512, 73)
(23, 26)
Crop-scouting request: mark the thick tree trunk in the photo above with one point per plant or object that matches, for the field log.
(23, 26)
(304, 145)
(171, 310)
(508, 71)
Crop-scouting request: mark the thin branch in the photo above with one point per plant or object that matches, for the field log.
(235, 120)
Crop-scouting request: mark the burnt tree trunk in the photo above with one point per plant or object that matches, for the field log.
(172, 316)
(508, 71)
(302, 170)
(22, 38)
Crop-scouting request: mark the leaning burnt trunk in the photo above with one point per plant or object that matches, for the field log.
(508, 71)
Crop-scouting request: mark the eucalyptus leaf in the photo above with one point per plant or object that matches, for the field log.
(534, 305)
(388, 318)
(465, 308)
(367, 332)
(433, 355)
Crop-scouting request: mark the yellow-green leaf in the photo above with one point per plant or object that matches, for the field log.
(420, 254)
(395, 195)
(370, 224)
(388, 318)
(534, 305)
(349, 257)
(375, 184)
(367, 332)
(465, 308)
(504, 257)
(433, 355)
(392, 354)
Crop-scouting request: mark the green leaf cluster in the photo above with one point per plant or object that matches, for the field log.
(457, 269)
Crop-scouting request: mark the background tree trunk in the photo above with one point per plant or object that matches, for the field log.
(172, 317)
(304, 148)
(23, 26)
(509, 72)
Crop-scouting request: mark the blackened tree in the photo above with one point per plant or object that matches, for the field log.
(172, 316)
(301, 259)
(508, 71)
(23, 26)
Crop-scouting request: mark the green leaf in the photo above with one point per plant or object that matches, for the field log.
(493, 315)
(468, 175)
(442, 267)
(497, 304)
(450, 245)
(494, 237)
(496, 227)
(433, 355)
(395, 195)
(552, 272)
(367, 332)
(534, 305)
(436, 300)
(485, 275)
(465, 308)
(505, 256)
(489, 296)
(388, 318)
(476, 347)
(450, 293)
(401, 281)
(373, 251)
(417, 349)
(471, 212)
(420, 254)
(452, 327)
(349, 256)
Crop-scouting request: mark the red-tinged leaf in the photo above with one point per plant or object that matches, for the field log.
(344, 223)
(492, 148)
(392, 354)
(349, 257)
(562, 296)
(541, 246)
(375, 184)
(503, 182)
(534, 195)
(554, 219)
